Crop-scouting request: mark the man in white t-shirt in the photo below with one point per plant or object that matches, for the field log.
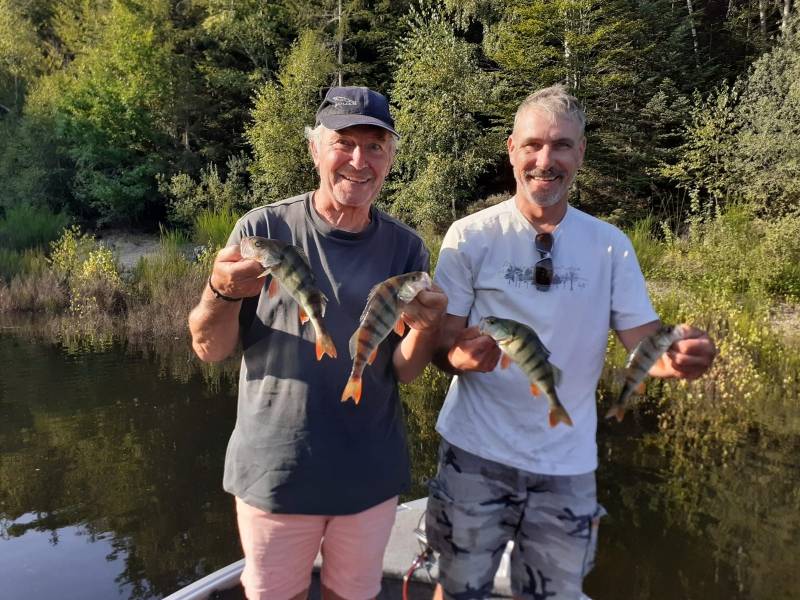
(504, 473)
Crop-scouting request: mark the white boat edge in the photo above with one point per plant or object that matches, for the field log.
(403, 548)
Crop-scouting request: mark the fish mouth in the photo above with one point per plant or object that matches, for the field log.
(484, 325)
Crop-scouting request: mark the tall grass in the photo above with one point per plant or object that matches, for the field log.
(212, 227)
(649, 250)
(27, 226)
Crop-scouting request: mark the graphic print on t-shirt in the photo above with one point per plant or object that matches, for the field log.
(568, 278)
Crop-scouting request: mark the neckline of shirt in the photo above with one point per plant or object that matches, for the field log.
(328, 230)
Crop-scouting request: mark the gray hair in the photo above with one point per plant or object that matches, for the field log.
(314, 136)
(555, 100)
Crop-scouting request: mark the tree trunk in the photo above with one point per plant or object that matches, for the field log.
(694, 30)
(341, 43)
(762, 19)
(787, 7)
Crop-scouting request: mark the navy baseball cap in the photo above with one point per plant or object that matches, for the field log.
(348, 106)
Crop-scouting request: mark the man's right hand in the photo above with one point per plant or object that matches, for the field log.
(473, 351)
(234, 276)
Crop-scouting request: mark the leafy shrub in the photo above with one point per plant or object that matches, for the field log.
(189, 198)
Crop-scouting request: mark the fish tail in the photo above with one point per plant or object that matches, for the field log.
(325, 346)
(617, 411)
(558, 414)
(352, 389)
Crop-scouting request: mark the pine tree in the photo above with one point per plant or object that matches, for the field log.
(443, 100)
(282, 166)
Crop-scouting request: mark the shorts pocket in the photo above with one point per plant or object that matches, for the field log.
(591, 545)
(438, 518)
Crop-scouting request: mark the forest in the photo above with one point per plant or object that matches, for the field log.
(135, 113)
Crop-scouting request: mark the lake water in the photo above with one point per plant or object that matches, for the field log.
(110, 487)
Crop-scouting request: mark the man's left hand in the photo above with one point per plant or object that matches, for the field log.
(426, 310)
(688, 358)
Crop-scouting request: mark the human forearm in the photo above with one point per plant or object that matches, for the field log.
(413, 354)
(214, 325)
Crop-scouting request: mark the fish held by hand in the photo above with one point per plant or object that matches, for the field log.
(520, 344)
(381, 315)
(289, 265)
(640, 360)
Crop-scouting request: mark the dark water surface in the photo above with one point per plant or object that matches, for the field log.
(110, 487)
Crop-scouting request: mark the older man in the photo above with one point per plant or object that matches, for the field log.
(306, 468)
(504, 472)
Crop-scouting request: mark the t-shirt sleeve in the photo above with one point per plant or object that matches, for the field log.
(630, 302)
(454, 273)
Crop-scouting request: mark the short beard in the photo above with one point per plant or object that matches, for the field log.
(546, 201)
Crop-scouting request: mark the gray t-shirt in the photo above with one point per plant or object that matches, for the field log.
(296, 447)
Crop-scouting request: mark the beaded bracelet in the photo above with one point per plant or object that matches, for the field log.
(219, 294)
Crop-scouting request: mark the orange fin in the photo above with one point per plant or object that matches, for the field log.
(558, 414)
(303, 315)
(400, 327)
(640, 388)
(372, 357)
(325, 346)
(535, 389)
(505, 361)
(352, 390)
(617, 411)
(274, 287)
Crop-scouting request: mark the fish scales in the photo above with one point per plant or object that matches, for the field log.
(381, 315)
(640, 361)
(521, 344)
(289, 265)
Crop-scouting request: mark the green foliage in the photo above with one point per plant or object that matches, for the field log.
(28, 226)
(649, 251)
(281, 165)
(69, 251)
(212, 228)
(598, 51)
(154, 277)
(26, 262)
(20, 58)
(741, 143)
(442, 96)
(211, 195)
(90, 272)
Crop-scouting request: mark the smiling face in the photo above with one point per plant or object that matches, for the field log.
(546, 150)
(352, 165)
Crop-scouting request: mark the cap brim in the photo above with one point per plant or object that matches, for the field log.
(337, 122)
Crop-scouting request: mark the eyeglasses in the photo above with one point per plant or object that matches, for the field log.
(543, 269)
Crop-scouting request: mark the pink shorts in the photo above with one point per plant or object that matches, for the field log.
(280, 549)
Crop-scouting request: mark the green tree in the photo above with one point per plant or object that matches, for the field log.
(444, 101)
(281, 165)
(21, 58)
(115, 114)
(741, 143)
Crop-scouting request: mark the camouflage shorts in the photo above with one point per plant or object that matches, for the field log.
(476, 506)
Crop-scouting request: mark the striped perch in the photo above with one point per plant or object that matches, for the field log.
(289, 265)
(520, 344)
(381, 314)
(640, 360)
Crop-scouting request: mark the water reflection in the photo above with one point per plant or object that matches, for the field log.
(106, 446)
(111, 466)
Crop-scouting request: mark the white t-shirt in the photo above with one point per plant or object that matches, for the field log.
(486, 267)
